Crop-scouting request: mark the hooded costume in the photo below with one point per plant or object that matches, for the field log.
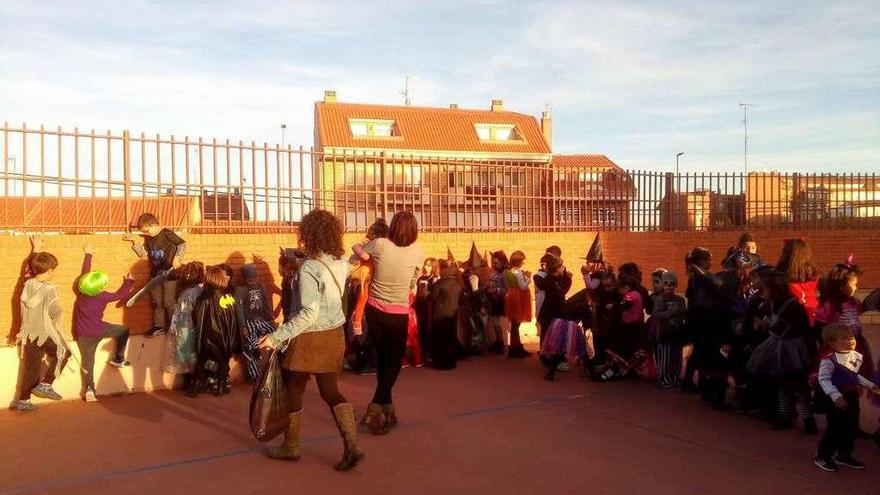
(219, 335)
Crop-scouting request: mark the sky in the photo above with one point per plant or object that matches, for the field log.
(637, 81)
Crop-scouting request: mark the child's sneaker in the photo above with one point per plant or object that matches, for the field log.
(90, 395)
(22, 406)
(119, 363)
(850, 462)
(155, 332)
(563, 366)
(45, 391)
(825, 464)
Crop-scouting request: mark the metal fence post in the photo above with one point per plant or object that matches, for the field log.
(382, 166)
(126, 171)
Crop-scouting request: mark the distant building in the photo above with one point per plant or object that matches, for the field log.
(817, 199)
(453, 168)
(591, 190)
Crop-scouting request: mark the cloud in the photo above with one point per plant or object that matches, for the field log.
(635, 80)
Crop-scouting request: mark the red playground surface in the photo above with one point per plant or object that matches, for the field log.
(491, 426)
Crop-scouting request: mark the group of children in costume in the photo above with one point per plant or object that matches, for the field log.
(769, 336)
(753, 336)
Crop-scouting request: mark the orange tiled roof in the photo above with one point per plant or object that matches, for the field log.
(73, 214)
(599, 163)
(426, 129)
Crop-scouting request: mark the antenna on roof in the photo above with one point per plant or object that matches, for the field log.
(407, 91)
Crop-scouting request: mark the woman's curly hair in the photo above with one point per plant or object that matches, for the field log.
(321, 232)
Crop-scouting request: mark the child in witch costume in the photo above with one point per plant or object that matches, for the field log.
(445, 297)
(783, 358)
(841, 383)
(89, 325)
(39, 337)
(703, 295)
(475, 332)
(219, 335)
(517, 302)
(254, 311)
(165, 251)
(424, 284)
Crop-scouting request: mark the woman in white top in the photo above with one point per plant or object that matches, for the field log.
(397, 261)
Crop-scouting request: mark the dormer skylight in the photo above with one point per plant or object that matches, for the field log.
(497, 132)
(373, 128)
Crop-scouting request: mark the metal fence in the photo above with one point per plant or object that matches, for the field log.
(73, 181)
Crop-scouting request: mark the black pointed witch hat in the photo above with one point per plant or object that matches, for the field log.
(449, 255)
(594, 255)
(475, 260)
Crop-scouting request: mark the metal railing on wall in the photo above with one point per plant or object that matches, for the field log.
(77, 182)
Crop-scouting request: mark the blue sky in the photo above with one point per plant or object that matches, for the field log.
(638, 81)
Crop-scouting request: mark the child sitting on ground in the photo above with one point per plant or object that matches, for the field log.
(89, 325)
(39, 337)
(253, 309)
(841, 385)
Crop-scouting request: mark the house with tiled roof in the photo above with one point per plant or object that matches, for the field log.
(452, 167)
(591, 190)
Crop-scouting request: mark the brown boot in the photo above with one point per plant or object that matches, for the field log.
(344, 414)
(374, 419)
(289, 448)
(390, 417)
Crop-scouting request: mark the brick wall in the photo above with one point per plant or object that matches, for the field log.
(650, 250)
(113, 256)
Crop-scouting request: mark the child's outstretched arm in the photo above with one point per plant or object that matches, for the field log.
(122, 291)
(88, 251)
(138, 248)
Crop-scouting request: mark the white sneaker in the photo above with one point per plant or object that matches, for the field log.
(90, 396)
(563, 366)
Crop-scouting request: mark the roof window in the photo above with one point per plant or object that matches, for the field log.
(373, 128)
(497, 132)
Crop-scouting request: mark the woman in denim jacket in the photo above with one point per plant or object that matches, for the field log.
(314, 337)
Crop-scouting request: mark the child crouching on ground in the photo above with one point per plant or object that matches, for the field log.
(89, 325)
(841, 385)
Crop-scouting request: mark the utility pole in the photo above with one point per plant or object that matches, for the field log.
(745, 107)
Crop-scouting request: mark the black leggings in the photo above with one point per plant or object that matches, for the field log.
(387, 333)
(328, 386)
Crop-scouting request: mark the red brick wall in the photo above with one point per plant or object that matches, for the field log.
(649, 250)
(668, 249)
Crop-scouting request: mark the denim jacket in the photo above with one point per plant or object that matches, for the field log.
(321, 300)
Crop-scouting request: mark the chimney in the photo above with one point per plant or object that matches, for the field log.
(497, 106)
(329, 96)
(453, 105)
(547, 128)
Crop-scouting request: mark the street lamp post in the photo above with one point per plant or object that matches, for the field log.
(677, 156)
